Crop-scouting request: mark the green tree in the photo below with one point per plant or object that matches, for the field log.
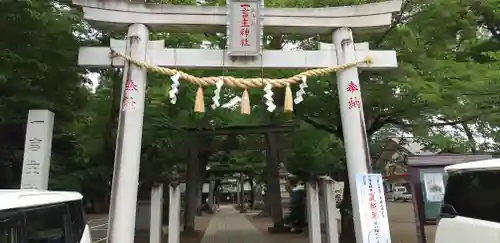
(38, 71)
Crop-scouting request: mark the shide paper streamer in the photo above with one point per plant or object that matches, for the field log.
(301, 92)
(174, 88)
(269, 98)
(216, 98)
(233, 102)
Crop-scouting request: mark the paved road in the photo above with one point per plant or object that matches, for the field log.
(229, 226)
(98, 227)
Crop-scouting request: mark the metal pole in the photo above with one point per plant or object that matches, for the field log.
(353, 122)
(128, 142)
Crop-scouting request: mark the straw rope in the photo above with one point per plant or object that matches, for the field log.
(243, 83)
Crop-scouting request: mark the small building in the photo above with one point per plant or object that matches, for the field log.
(392, 160)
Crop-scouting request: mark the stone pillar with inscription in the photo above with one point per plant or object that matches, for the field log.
(37, 150)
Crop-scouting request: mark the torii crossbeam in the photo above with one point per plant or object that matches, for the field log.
(208, 58)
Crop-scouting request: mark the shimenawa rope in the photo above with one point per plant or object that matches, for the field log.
(243, 83)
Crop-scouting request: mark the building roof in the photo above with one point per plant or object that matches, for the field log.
(491, 164)
(12, 199)
(446, 159)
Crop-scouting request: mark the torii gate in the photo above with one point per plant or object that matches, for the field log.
(139, 18)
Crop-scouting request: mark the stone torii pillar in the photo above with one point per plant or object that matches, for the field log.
(313, 213)
(122, 211)
(156, 216)
(330, 209)
(174, 217)
(353, 120)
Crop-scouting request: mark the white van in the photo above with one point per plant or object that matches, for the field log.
(471, 208)
(30, 216)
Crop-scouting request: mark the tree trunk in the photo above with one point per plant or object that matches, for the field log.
(252, 191)
(199, 199)
(203, 158)
(273, 185)
(165, 206)
(470, 137)
(241, 195)
(109, 136)
(191, 189)
(347, 234)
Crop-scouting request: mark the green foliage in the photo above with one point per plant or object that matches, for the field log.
(315, 153)
(38, 71)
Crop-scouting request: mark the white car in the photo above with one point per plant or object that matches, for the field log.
(471, 208)
(405, 197)
(400, 193)
(42, 216)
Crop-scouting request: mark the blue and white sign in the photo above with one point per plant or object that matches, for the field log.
(373, 209)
